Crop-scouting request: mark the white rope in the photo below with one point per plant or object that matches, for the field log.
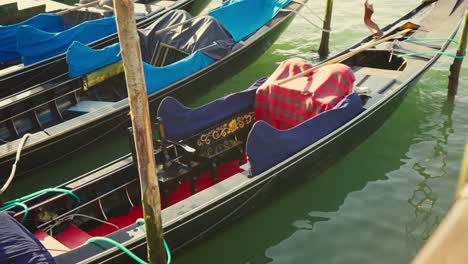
(70, 217)
(308, 20)
(309, 8)
(13, 168)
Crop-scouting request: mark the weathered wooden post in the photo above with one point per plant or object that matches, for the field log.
(457, 62)
(448, 243)
(324, 43)
(131, 54)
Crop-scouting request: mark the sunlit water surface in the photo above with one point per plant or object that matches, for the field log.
(376, 205)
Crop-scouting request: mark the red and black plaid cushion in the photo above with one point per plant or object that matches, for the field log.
(291, 103)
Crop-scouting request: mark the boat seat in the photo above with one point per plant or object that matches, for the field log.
(285, 105)
(209, 148)
(390, 74)
(377, 84)
(52, 245)
(73, 237)
(87, 106)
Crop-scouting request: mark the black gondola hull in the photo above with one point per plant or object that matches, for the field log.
(60, 145)
(236, 204)
(56, 66)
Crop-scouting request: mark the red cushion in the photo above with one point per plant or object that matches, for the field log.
(73, 237)
(287, 105)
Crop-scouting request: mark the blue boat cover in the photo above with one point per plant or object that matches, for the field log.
(18, 245)
(78, 56)
(181, 122)
(157, 78)
(243, 17)
(35, 45)
(262, 154)
(46, 22)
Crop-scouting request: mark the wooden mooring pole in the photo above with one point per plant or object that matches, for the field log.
(457, 63)
(324, 43)
(133, 66)
(448, 243)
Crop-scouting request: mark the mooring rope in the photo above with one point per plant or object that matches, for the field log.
(309, 8)
(132, 255)
(415, 54)
(305, 18)
(19, 201)
(13, 168)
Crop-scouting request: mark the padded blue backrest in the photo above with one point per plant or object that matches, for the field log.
(79, 62)
(18, 245)
(157, 78)
(243, 17)
(46, 22)
(36, 45)
(181, 122)
(268, 146)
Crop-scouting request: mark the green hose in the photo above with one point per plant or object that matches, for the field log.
(11, 205)
(429, 40)
(19, 201)
(141, 222)
(126, 250)
(48, 190)
(117, 245)
(431, 53)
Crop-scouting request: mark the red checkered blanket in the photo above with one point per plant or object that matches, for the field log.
(289, 104)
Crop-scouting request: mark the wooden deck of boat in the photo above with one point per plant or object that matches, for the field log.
(25, 4)
(14, 11)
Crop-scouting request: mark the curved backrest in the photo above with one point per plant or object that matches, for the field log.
(267, 146)
(45, 22)
(287, 105)
(36, 45)
(181, 122)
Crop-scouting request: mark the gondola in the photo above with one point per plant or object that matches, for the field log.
(15, 77)
(187, 62)
(217, 160)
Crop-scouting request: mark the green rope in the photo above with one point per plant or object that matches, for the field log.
(430, 40)
(126, 250)
(15, 204)
(117, 245)
(432, 53)
(48, 190)
(19, 201)
(141, 223)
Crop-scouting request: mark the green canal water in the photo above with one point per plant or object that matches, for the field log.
(376, 205)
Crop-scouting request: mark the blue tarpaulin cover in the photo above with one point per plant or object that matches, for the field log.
(181, 122)
(35, 45)
(243, 17)
(46, 22)
(18, 245)
(267, 146)
(79, 62)
(157, 78)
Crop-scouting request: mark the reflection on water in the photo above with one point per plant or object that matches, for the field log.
(423, 198)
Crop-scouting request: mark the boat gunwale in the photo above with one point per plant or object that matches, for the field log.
(102, 41)
(119, 111)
